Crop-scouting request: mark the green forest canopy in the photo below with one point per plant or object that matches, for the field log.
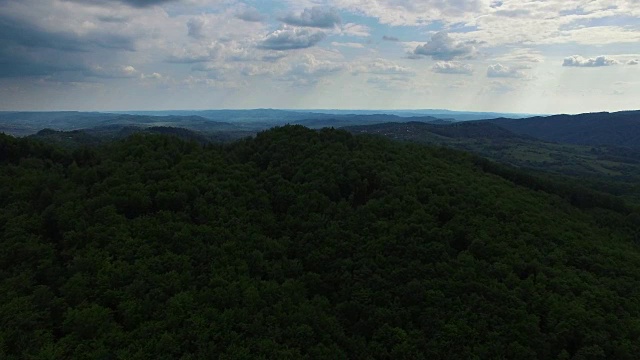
(304, 244)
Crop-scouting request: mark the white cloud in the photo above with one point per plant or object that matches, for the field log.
(308, 70)
(498, 87)
(358, 30)
(458, 85)
(215, 51)
(579, 61)
(348, 45)
(288, 38)
(502, 71)
(442, 47)
(152, 76)
(452, 67)
(380, 67)
(195, 81)
(257, 70)
(114, 72)
(596, 35)
(221, 43)
(317, 16)
(310, 65)
(415, 12)
(250, 14)
(393, 83)
(533, 23)
(521, 55)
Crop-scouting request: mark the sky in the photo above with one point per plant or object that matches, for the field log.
(537, 56)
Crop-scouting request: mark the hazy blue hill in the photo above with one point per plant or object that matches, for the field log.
(190, 122)
(267, 117)
(414, 130)
(27, 123)
(355, 120)
(437, 113)
(618, 129)
(293, 115)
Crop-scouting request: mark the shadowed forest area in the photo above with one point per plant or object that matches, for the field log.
(306, 244)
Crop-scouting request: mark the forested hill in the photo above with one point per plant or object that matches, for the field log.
(304, 244)
(611, 169)
(414, 130)
(617, 129)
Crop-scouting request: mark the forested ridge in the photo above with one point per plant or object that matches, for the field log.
(306, 244)
(608, 169)
(617, 129)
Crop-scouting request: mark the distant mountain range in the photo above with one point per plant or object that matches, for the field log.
(28, 123)
(620, 129)
(436, 113)
(597, 146)
(269, 115)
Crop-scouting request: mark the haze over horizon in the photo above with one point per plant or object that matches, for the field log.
(537, 57)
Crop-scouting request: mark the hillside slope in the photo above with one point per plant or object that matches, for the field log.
(617, 129)
(611, 169)
(303, 244)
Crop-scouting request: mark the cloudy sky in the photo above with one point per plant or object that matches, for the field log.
(536, 56)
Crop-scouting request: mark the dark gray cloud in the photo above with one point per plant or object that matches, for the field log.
(134, 3)
(188, 59)
(196, 56)
(195, 28)
(12, 65)
(29, 50)
(579, 61)
(390, 38)
(443, 47)
(56, 66)
(452, 67)
(113, 19)
(319, 17)
(15, 33)
(251, 15)
(291, 38)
